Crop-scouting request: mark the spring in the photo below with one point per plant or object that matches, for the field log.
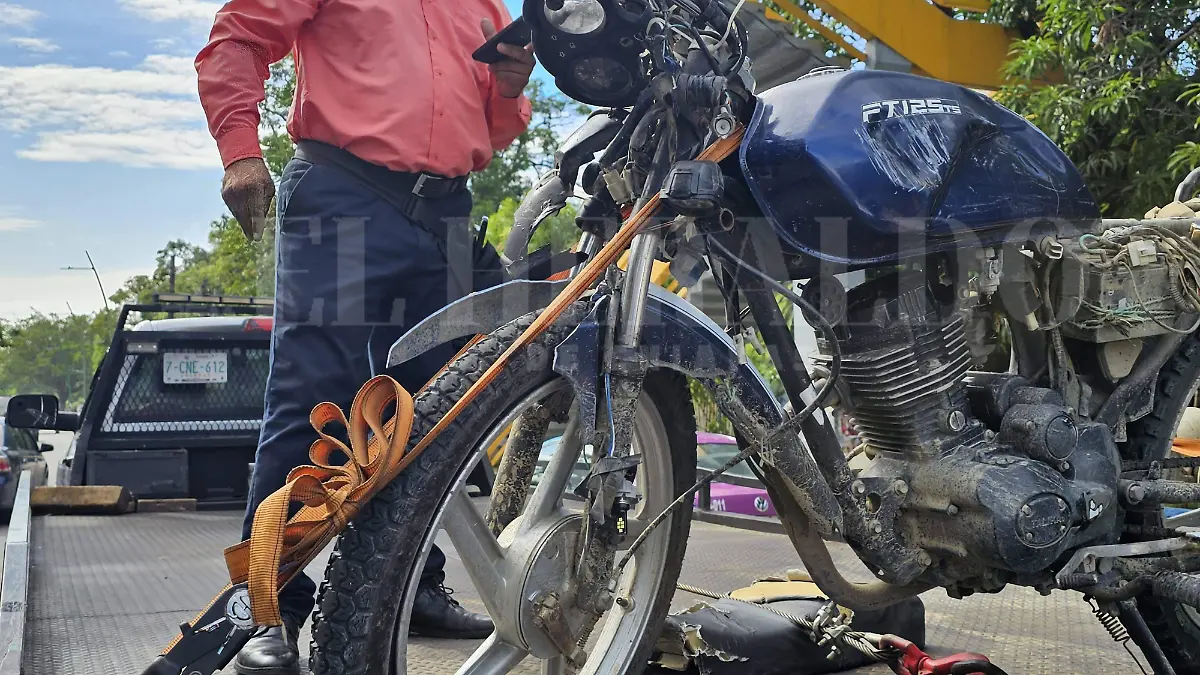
(1111, 624)
(1115, 630)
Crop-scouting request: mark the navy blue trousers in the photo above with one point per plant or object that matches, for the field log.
(352, 274)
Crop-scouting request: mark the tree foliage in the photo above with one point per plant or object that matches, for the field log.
(1123, 96)
(52, 354)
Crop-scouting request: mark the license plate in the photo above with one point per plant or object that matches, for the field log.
(193, 367)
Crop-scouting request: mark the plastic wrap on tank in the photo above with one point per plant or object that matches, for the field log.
(868, 167)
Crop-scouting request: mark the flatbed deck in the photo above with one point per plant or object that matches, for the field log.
(108, 592)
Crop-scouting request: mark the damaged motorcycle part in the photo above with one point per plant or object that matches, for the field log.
(547, 198)
(733, 637)
(531, 553)
(520, 458)
(479, 313)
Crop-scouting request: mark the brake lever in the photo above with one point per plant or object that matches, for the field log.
(211, 640)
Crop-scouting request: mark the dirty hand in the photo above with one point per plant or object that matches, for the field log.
(512, 74)
(247, 190)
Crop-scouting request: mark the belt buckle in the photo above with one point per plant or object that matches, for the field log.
(419, 186)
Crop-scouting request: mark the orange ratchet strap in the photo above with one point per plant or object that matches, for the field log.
(332, 494)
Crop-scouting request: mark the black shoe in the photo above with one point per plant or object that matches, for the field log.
(272, 651)
(435, 614)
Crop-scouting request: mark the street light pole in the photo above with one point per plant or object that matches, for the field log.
(92, 267)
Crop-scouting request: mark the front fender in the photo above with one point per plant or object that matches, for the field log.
(675, 335)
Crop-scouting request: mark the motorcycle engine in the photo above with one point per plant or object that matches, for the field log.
(991, 477)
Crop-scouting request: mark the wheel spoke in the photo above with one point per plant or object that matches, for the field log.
(548, 494)
(480, 552)
(554, 666)
(494, 657)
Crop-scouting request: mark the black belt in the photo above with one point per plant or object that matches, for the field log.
(408, 192)
(402, 189)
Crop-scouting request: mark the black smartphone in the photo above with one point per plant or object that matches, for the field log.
(516, 33)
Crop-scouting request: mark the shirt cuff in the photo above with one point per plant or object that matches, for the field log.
(511, 108)
(237, 144)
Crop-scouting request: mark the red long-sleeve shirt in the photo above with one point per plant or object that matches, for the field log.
(391, 81)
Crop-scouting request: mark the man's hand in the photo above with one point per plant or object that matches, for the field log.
(247, 190)
(512, 74)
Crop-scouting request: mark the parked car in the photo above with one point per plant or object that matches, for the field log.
(712, 452)
(19, 451)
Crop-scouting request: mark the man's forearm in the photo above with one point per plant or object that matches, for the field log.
(247, 37)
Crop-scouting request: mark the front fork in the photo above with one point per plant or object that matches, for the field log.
(622, 370)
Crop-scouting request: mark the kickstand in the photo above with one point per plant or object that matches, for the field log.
(1142, 637)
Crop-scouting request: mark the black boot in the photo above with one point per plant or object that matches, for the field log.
(435, 614)
(272, 651)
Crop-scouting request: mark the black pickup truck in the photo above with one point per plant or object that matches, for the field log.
(175, 406)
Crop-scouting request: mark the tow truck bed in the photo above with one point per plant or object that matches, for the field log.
(108, 592)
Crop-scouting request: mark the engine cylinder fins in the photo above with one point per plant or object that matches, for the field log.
(905, 382)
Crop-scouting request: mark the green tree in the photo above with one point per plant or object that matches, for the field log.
(1124, 96)
(276, 145)
(51, 354)
(230, 266)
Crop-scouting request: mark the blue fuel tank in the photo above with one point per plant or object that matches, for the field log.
(863, 168)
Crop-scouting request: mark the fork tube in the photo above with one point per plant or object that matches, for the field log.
(588, 244)
(637, 282)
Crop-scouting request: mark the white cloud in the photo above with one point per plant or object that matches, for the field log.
(165, 44)
(167, 148)
(10, 222)
(33, 44)
(173, 10)
(17, 16)
(145, 116)
(120, 54)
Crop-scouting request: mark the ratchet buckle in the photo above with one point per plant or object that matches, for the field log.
(912, 661)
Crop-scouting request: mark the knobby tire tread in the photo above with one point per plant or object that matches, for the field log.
(358, 601)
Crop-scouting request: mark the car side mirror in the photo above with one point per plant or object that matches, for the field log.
(39, 411)
(45, 447)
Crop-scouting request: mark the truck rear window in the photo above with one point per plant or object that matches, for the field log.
(190, 389)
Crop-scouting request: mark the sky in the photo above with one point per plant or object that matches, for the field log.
(103, 145)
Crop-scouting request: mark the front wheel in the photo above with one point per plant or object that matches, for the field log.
(361, 622)
(1176, 627)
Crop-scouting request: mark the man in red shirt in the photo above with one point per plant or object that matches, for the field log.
(390, 116)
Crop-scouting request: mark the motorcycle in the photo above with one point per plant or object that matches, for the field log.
(972, 236)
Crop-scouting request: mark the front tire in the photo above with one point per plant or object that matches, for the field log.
(1175, 626)
(362, 606)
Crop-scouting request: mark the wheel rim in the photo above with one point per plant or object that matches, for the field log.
(615, 636)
